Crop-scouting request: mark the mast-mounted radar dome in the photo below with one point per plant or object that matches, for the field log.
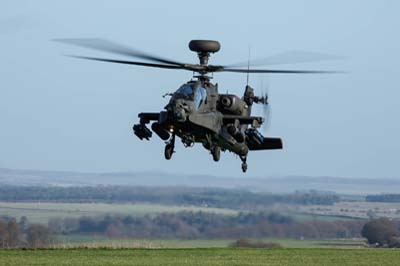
(204, 46)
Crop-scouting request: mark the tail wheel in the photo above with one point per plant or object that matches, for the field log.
(244, 164)
(244, 167)
(216, 153)
(169, 150)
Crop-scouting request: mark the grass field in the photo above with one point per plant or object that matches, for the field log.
(102, 241)
(42, 212)
(303, 217)
(215, 256)
(355, 209)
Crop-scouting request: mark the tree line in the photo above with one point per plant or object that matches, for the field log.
(381, 232)
(211, 197)
(21, 233)
(383, 198)
(195, 225)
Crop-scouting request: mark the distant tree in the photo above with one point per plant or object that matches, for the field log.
(23, 223)
(277, 218)
(56, 225)
(70, 225)
(383, 198)
(379, 231)
(113, 231)
(39, 236)
(3, 234)
(88, 225)
(394, 242)
(13, 233)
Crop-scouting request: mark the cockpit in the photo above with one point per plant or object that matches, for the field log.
(192, 91)
(185, 92)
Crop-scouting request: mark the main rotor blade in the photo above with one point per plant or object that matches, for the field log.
(112, 47)
(189, 68)
(290, 57)
(277, 71)
(127, 62)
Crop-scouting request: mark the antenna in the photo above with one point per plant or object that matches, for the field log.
(248, 69)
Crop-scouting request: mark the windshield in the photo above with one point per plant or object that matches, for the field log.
(200, 96)
(185, 92)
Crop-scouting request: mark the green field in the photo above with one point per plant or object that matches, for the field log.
(303, 217)
(216, 256)
(42, 212)
(73, 241)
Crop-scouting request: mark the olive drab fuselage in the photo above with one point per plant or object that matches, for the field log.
(197, 113)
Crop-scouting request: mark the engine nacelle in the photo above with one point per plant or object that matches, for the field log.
(232, 104)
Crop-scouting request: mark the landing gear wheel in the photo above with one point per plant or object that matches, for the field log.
(169, 150)
(244, 167)
(216, 153)
(244, 164)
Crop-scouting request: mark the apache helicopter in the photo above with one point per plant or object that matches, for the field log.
(196, 111)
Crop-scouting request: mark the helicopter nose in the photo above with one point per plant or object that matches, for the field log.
(180, 114)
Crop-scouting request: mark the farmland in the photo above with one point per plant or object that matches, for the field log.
(209, 256)
(42, 212)
(360, 209)
(77, 241)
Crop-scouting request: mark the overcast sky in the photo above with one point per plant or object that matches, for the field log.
(58, 113)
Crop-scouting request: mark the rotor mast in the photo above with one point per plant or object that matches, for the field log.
(204, 48)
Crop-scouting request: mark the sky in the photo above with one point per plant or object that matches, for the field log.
(59, 113)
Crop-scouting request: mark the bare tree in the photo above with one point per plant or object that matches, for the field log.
(39, 236)
(13, 233)
(3, 234)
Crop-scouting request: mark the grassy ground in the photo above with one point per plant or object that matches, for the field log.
(101, 241)
(42, 212)
(214, 256)
(355, 209)
(304, 217)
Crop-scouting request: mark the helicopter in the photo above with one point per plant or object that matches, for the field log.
(196, 111)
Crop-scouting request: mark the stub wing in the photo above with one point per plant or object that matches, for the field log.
(149, 116)
(244, 120)
(256, 141)
(266, 144)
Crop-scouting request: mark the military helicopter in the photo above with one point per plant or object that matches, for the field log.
(196, 111)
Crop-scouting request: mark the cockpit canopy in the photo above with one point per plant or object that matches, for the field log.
(186, 92)
(192, 91)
